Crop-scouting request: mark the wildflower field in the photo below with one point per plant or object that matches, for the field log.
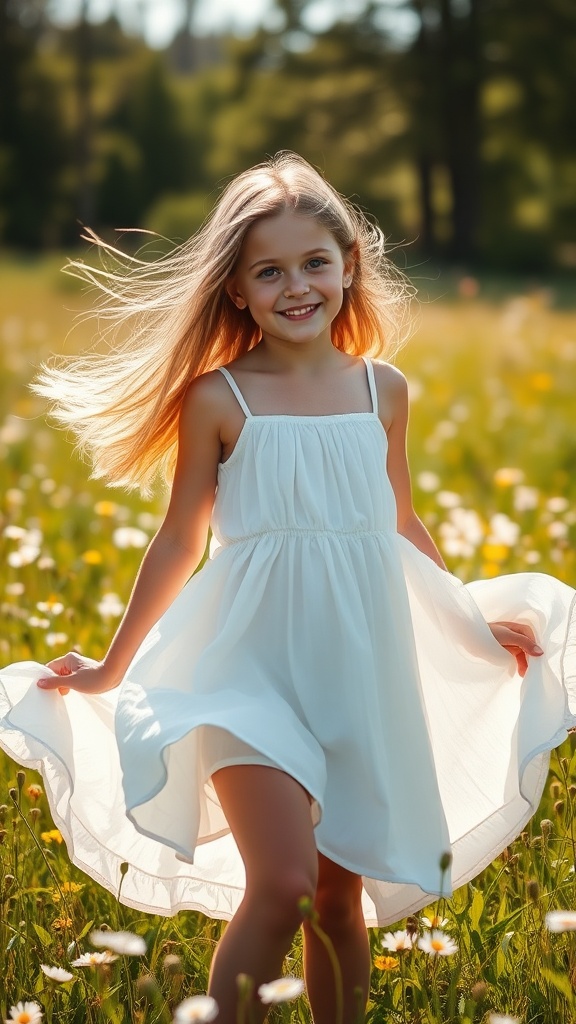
(493, 455)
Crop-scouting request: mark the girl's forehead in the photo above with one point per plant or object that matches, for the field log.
(286, 234)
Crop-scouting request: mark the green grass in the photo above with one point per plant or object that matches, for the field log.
(492, 433)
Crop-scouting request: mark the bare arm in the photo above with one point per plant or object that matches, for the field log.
(172, 555)
(516, 638)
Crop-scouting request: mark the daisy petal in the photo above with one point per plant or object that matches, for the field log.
(281, 990)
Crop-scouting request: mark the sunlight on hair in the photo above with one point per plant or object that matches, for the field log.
(171, 319)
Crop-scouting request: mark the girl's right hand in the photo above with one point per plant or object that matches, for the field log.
(81, 673)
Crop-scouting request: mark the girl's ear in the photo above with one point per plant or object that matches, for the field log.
(350, 260)
(235, 295)
(348, 276)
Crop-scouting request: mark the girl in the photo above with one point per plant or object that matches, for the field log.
(323, 710)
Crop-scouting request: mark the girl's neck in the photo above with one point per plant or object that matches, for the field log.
(277, 356)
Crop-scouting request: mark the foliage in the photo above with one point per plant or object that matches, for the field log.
(457, 133)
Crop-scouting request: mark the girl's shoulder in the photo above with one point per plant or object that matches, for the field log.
(208, 396)
(388, 375)
(392, 391)
(390, 381)
(208, 387)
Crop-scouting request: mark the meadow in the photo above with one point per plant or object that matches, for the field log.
(493, 452)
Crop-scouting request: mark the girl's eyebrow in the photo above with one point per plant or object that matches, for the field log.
(273, 260)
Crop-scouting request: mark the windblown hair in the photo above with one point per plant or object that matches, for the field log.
(177, 320)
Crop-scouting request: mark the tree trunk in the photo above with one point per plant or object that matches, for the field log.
(424, 154)
(85, 205)
(458, 68)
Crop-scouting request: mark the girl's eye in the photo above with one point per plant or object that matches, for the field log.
(316, 262)
(268, 272)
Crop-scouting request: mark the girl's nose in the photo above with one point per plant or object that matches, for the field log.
(295, 288)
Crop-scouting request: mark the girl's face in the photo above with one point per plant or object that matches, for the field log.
(291, 276)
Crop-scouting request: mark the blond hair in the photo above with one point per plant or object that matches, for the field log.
(178, 320)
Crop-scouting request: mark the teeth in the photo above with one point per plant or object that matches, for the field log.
(298, 312)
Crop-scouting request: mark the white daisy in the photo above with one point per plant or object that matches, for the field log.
(502, 1018)
(434, 922)
(129, 537)
(196, 1008)
(25, 1013)
(281, 990)
(561, 921)
(125, 943)
(94, 959)
(110, 606)
(57, 974)
(397, 941)
(437, 943)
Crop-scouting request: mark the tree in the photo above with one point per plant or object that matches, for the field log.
(84, 116)
(149, 154)
(33, 143)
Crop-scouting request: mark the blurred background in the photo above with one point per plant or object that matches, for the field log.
(452, 121)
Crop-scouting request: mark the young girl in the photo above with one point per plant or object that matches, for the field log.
(323, 710)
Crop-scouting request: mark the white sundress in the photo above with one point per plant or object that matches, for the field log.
(320, 641)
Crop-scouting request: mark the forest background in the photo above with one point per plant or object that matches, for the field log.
(452, 121)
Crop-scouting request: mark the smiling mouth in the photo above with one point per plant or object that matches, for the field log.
(299, 312)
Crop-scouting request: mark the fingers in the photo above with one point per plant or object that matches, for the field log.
(520, 630)
(65, 664)
(517, 627)
(521, 659)
(516, 634)
(523, 643)
(53, 683)
(519, 640)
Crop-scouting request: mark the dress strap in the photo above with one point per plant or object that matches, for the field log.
(371, 383)
(236, 391)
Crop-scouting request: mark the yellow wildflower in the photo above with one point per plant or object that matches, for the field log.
(34, 791)
(68, 888)
(52, 836)
(495, 552)
(386, 963)
(106, 508)
(59, 924)
(508, 476)
(92, 557)
(490, 569)
(541, 381)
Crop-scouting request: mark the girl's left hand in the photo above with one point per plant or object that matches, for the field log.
(519, 640)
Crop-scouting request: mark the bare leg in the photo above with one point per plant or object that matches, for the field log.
(338, 903)
(269, 815)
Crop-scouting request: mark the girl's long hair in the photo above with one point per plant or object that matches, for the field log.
(177, 320)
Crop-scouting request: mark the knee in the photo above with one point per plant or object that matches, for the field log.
(339, 906)
(279, 899)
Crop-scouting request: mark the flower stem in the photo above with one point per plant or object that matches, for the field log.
(307, 909)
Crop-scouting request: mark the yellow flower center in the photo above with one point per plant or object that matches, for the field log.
(437, 945)
(24, 1018)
